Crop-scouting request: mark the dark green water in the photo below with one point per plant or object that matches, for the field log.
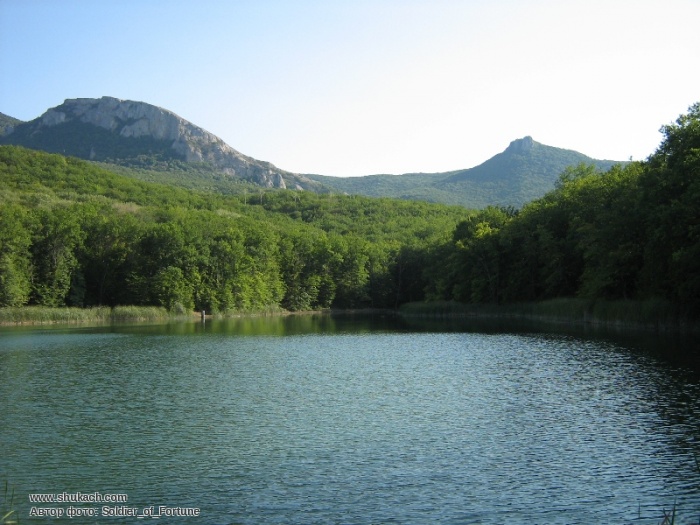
(314, 419)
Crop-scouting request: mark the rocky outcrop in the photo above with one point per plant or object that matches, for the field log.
(7, 124)
(522, 145)
(129, 119)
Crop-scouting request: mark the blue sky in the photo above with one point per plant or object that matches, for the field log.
(358, 87)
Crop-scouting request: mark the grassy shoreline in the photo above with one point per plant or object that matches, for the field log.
(42, 315)
(656, 315)
(27, 315)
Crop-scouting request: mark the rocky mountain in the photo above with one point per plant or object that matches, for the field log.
(144, 138)
(7, 123)
(524, 171)
(124, 132)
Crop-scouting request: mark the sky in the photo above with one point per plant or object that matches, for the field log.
(359, 87)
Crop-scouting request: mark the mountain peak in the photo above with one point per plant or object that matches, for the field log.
(522, 145)
(7, 124)
(130, 119)
(117, 130)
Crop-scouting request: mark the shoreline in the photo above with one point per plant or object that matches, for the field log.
(643, 316)
(104, 315)
(646, 316)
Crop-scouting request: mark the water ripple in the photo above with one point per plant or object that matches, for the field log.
(356, 427)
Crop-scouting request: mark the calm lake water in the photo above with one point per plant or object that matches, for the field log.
(335, 420)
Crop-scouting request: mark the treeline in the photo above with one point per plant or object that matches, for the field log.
(75, 234)
(632, 232)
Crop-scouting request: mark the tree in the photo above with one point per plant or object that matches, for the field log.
(155, 264)
(58, 238)
(350, 263)
(171, 290)
(478, 258)
(612, 235)
(15, 261)
(110, 241)
(671, 196)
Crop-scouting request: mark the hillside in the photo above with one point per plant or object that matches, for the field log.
(115, 240)
(151, 143)
(7, 123)
(525, 171)
(137, 134)
(75, 234)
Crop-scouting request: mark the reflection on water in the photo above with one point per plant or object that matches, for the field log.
(354, 419)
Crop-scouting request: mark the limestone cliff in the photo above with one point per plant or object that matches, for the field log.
(126, 119)
(7, 124)
(522, 146)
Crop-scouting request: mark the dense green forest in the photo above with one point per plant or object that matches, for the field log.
(73, 233)
(632, 232)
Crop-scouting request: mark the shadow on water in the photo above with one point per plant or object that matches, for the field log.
(272, 325)
(675, 349)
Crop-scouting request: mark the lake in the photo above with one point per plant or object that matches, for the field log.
(347, 420)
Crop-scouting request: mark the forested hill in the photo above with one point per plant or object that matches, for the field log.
(632, 232)
(525, 171)
(153, 143)
(72, 233)
(7, 123)
(131, 133)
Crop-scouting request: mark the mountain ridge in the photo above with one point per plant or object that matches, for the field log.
(7, 123)
(140, 136)
(524, 171)
(96, 129)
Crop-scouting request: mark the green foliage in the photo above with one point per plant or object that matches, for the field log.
(474, 264)
(138, 313)
(631, 232)
(16, 270)
(670, 188)
(89, 142)
(57, 237)
(172, 290)
(76, 234)
(524, 171)
(48, 315)
(191, 175)
(98, 314)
